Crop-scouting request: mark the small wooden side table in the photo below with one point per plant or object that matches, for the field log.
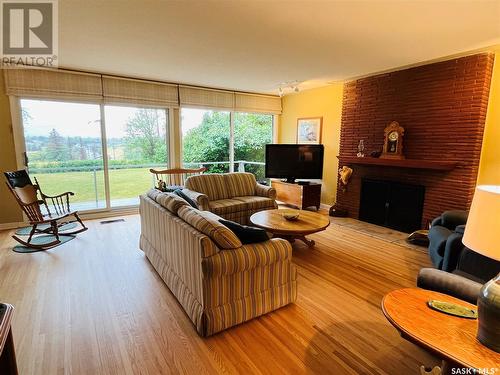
(451, 338)
(8, 365)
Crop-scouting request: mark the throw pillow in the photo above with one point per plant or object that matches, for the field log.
(186, 197)
(245, 233)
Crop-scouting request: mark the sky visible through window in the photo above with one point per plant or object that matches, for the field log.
(191, 118)
(47, 115)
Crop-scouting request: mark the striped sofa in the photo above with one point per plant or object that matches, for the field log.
(233, 196)
(218, 281)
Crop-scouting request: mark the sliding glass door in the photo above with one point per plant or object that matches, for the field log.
(64, 150)
(136, 141)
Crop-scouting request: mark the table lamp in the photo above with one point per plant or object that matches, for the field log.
(482, 234)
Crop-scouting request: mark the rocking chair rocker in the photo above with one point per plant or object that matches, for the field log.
(26, 195)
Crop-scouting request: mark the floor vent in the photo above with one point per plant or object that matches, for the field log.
(112, 221)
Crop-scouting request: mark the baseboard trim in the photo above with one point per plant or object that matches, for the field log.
(84, 216)
(112, 213)
(7, 226)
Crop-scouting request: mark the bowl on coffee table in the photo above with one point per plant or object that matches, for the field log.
(291, 215)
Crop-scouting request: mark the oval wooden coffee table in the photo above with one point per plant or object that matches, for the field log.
(307, 223)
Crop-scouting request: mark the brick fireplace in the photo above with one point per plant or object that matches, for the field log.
(442, 107)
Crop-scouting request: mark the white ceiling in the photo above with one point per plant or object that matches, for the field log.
(256, 45)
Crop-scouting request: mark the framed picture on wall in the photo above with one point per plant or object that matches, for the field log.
(309, 130)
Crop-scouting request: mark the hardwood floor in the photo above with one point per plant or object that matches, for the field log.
(96, 306)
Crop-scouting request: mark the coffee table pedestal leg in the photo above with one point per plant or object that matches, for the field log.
(291, 239)
(309, 243)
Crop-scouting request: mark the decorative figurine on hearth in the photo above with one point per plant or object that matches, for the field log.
(393, 141)
(345, 174)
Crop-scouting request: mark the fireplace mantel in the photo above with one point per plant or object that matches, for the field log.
(440, 165)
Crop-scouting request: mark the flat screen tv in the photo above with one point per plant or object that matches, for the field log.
(293, 161)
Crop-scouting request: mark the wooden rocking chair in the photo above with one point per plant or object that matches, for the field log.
(171, 179)
(26, 195)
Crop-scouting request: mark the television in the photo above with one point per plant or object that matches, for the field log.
(293, 161)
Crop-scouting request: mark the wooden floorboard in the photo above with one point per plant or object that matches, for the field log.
(96, 306)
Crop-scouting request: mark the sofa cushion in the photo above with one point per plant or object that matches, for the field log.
(246, 234)
(256, 203)
(170, 201)
(227, 206)
(214, 186)
(208, 223)
(240, 183)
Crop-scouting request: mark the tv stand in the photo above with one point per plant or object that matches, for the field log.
(301, 196)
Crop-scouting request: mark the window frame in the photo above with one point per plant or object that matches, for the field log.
(232, 113)
(174, 139)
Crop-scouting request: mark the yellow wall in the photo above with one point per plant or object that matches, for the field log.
(325, 102)
(489, 167)
(9, 211)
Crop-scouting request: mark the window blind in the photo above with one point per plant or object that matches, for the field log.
(53, 84)
(206, 98)
(62, 84)
(125, 90)
(257, 103)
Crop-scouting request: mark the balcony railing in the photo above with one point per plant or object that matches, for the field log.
(91, 181)
(241, 164)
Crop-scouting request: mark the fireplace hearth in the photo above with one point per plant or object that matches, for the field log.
(392, 204)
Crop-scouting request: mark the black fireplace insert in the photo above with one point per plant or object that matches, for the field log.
(392, 204)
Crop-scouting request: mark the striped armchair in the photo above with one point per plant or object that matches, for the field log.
(218, 281)
(233, 196)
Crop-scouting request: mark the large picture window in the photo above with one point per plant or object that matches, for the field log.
(208, 140)
(103, 152)
(64, 147)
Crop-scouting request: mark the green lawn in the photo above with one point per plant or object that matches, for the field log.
(124, 183)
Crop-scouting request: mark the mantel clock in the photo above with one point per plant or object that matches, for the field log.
(393, 141)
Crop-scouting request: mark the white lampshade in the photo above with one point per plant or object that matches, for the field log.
(482, 231)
